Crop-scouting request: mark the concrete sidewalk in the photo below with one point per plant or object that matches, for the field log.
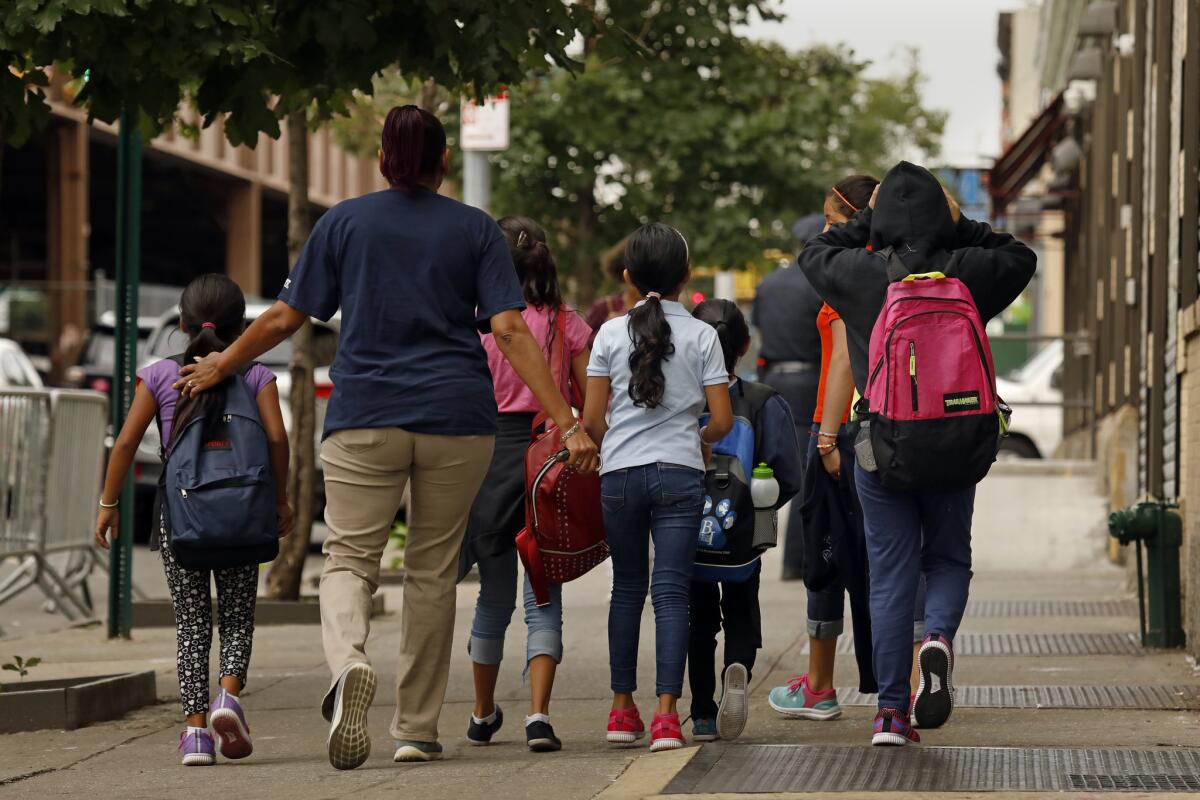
(135, 757)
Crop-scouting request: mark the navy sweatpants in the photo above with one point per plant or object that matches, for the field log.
(910, 534)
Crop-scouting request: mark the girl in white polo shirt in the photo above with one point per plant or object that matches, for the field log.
(658, 365)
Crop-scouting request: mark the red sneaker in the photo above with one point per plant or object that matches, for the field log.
(625, 726)
(666, 733)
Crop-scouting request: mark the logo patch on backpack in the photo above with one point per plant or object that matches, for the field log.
(960, 401)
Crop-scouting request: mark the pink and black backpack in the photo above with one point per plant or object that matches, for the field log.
(933, 419)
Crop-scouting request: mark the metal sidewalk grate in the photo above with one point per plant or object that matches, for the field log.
(1172, 698)
(1052, 608)
(1135, 783)
(1033, 644)
(806, 768)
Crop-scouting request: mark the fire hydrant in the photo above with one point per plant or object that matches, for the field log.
(1156, 524)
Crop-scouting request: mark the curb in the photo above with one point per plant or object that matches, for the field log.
(70, 703)
(647, 775)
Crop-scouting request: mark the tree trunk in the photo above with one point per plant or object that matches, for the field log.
(428, 96)
(283, 580)
(586, 263)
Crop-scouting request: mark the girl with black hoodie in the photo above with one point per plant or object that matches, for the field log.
(912, 533)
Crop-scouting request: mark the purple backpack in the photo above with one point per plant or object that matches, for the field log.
(932, 420)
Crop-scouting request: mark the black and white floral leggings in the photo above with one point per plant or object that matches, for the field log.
(191, 594)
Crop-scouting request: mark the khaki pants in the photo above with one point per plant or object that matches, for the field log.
(366, 470)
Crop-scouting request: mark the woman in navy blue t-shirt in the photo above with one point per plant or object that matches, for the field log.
(415, 275)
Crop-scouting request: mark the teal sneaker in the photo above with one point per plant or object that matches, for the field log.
(704, 730)
(797, 700)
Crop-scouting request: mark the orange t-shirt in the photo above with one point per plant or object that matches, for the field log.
(825, 320)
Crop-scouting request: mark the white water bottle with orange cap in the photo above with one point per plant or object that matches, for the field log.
(764, 491)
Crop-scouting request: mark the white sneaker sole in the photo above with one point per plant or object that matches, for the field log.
(233, 737)
(623, 737)
(666, 744)
(349, 743)
(705, 737)
(891, 740)
(731, 715)
(198, 760)
(414, 755)
(806, 713)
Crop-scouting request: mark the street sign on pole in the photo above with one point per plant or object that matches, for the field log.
(484, 126)
(484, 130)
(129, 212)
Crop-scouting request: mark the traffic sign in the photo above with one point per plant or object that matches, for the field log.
(485, 126)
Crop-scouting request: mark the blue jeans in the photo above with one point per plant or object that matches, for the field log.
(910, 534)
(662, 501)
(494, 609)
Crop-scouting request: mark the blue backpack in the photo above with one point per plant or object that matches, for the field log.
(219, 492)
(726, 549)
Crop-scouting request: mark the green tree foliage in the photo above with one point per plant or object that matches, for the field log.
(729, 139)
(256, 60)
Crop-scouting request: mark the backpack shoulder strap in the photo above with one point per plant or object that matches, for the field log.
(755, 396)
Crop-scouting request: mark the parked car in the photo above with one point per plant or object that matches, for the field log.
(1034, 390)
(16, 370)
(95, 367)
(167, 340)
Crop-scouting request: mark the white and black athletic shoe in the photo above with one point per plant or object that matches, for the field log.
(480, 732)
(541, 738)
(935, 696)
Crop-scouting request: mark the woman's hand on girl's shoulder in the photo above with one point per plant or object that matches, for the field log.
(206, 373)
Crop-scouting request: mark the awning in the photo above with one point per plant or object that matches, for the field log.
(1024, 157)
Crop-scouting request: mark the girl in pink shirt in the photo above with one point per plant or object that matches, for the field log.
(498, 513)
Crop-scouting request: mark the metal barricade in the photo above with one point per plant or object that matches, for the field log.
(52, 460)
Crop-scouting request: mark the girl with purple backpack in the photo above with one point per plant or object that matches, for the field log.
(916, 229)
(212, 313)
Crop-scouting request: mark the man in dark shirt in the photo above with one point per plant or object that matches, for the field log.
(785, 313)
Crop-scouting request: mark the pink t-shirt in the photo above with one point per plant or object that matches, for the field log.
(512, 395)
(161, 375)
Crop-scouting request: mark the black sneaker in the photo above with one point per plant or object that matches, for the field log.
(934, 701)
(481, 733)
(541, 738)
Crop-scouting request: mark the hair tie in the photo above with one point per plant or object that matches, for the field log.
(842, 197)
(654, 296)
(208, 325)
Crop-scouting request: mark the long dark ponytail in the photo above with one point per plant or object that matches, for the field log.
(656, 256)
(732, 330)
(535, 265)
(212, 312)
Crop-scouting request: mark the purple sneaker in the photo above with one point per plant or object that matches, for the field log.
(228, 722)
(197, 748)
(893, 728)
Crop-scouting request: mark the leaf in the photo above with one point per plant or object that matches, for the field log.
(33, 662)
(10, 667)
